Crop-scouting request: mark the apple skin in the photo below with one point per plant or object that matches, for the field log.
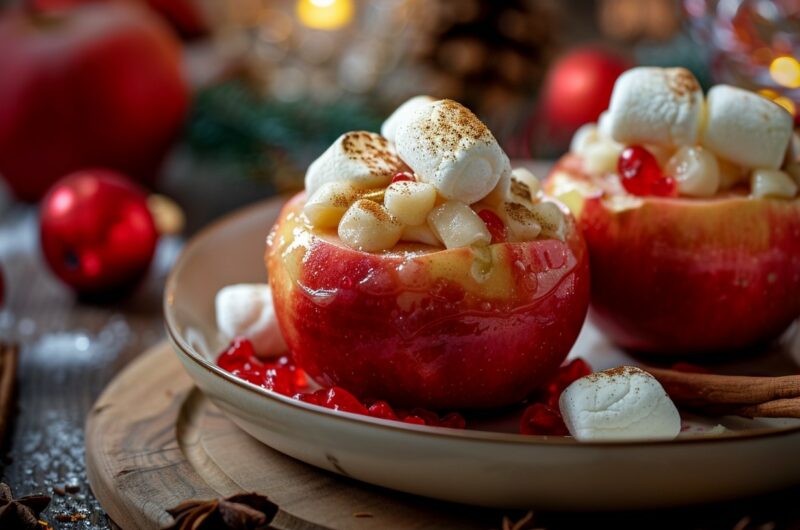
(417, 329)
(688, 276)
(96, 85)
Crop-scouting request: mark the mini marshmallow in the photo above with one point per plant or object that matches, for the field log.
(745, 128)
(624, 403)
(656, 106)
(246, 310)
(364, 158)
(772, 183)
(401, 113)
(448, 146)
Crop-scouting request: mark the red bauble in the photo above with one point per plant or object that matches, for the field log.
(97, 85)
(578, 88)
(97, 234)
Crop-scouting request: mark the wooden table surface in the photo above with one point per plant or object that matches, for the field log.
(69, 351)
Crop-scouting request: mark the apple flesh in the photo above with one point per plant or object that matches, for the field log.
(686, 276)
(420, 326)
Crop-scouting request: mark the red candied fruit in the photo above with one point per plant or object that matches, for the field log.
(403, 176)
(494, 225)
(281, 376)
(338, 398)
(540, 419)
(453, 420)
(238, 353)
(382, 410)
(566, 375)
(641, 174)
(414, 420)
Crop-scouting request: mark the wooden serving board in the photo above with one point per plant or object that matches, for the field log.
(153, 440)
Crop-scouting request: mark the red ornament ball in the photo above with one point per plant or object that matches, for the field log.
(578, 88)
(97, 233)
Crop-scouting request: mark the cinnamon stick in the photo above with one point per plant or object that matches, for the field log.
(693, 389)
(9, 355)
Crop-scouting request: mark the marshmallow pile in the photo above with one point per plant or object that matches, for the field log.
(624, 403)
(450, 168)
(708, 144)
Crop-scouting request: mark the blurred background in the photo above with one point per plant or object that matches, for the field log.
(217, 103)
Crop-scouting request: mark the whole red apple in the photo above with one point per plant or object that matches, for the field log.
(578, 88)
(95, 85)
(437, 329)
(684, 276)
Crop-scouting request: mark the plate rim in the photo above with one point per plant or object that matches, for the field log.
(189, 352)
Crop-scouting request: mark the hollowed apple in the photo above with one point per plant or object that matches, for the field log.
(685, 276)
(441, 329)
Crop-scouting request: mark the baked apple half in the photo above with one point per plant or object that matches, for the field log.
(690, 212)
(419, 269)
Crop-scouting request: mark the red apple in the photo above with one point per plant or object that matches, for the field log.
(437, 329)
(683, 276)
(95, 85)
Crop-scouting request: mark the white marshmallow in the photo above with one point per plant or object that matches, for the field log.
(401, 113)
(656, 106)
(604, 124)
(246, 310)
(624, 403)
(602, 156)
(364, 158)
(448, 146)
(745, 128)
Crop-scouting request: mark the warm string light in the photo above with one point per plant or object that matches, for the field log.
(325, 14)
(785, 71)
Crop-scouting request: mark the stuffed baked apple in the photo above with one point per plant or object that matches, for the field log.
(418, 268)
(689, 207)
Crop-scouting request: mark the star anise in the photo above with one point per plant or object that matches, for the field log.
(245, 511)
(22, 513)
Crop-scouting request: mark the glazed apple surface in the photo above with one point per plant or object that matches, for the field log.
(417, 325)
(680, 276)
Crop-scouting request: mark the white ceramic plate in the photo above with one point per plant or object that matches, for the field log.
(481, 467)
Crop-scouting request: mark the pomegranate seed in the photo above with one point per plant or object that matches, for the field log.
(430, 418)
(254, 375)
(402, 176)
(307, 398)
(642, 176)
(280, 379)
(238, 353)
(453, 420)
(338, 398)
(566, 375)
(381, 409)
(542, 420)
(494, 225)
(416, 420)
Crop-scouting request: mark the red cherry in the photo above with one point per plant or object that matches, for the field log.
(338, 398)
(642, 176)
(381, 409)
(542, 420)
(453, 420)
(402, 176)
(239, 352)
(495, 225)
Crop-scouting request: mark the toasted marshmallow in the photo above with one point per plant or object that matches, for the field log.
(656, 106)
(624, 403)
(402, 113)
(745, 128)
(246, 310)
(364, 158)
(448, 146)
